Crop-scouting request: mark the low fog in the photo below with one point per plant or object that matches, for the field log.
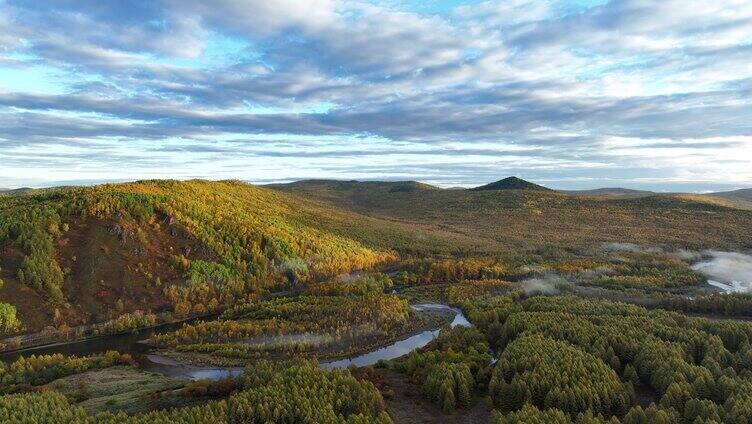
(551, 284)
(732, 270)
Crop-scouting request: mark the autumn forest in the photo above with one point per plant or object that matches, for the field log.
(372, 302)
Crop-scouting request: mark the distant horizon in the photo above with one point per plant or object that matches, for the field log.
(680, 187)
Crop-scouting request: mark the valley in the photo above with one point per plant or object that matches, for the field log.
(200, 301)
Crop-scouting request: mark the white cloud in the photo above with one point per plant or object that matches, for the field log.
(638, 86)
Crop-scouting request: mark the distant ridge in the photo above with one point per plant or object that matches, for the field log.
(610, 192)
(738, 198)
(511, 183)
(390, 186)
(15, 191)
(744, 194)
(27, 190)
(407, 186)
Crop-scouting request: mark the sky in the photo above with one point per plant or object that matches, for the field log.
(571, 94)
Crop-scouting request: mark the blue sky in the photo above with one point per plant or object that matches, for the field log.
(566, 93)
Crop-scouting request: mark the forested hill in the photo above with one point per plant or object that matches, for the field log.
(79, 255)
(511, 183)
(515, 219)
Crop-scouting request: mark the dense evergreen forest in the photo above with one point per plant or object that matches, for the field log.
(579, 309)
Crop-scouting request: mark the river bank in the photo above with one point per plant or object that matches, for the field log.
(180, 367)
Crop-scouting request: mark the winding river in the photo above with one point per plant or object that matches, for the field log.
(401, 347)
(128, 343)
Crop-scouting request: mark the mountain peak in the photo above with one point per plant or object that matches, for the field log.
(512, 183)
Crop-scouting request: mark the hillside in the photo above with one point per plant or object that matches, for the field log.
(739, 198)
(351, 193)
(343, 185)
(79, 255)
(17, 191)
(735, 199)
(267, 273)
(610, 192)
(514, 220)
(88, 254)
(745, 194)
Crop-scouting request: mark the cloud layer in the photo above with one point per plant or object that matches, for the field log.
(571, 94)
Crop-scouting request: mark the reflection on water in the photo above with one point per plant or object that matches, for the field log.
(401, 347)
(459, 317)
(395, 350)
(171, 368)
(729, 271)
(128, 343)
(123, 343)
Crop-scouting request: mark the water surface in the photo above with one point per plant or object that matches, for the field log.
(128, 343)
(401, 347)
